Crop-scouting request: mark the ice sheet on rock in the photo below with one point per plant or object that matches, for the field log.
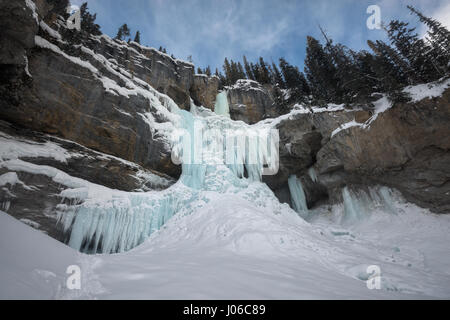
(298, 196)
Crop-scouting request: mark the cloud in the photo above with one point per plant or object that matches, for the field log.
(211, 30)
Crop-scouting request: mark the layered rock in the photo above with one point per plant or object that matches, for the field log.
(92, 90)
(204, 90)
(249, 101)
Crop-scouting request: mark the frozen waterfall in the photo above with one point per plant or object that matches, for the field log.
(216, 154)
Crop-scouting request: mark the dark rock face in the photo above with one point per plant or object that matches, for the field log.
(20, 202)
(204, 90)
(18, 25)
(249, 101)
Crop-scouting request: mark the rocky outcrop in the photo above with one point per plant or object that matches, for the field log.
(204, 90)
(406, 147)
(249, 101)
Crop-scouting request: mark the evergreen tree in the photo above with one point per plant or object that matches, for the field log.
(416, 65)
(277, 77)
(241, 72)
(199, 70)
(388, 76)
(255, 72)
(208, 71)
(439, 38)
(438, 32)
(123, 32)
(137, 37)
(320, 71)
(295, 81)
(88, 21)
(264, 76)
(228, 72)
(248, 69)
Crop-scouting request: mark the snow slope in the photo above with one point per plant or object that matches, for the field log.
(233, 249)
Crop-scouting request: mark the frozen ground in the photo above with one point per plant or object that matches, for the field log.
(232, 249)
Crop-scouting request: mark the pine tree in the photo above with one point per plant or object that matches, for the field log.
(417, 64)
(248, 69)
(199, 70)
(439, 38)
(208, 71)
(295, 81)
(137, 37)
(241, 72)
(88, 21)
(255, 72)
(320, 71)
(264, 76)
(123, 32)
(437, 31)
(277, 77)
(388, 76)
(228, 72)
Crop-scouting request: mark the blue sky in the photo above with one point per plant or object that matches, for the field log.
(211, 30)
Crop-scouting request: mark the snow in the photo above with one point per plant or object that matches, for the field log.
(41, 42)
(11, 148)
(381, 105)
(53, 33)
(427, 90)
(232, 249)
(12, 179)
(345, 126)
(30, 4)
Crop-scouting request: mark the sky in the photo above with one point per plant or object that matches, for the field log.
(210, 30)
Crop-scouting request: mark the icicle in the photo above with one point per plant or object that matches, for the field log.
(353, 207)
(221, 106)
(312, 174)
(298, 196)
